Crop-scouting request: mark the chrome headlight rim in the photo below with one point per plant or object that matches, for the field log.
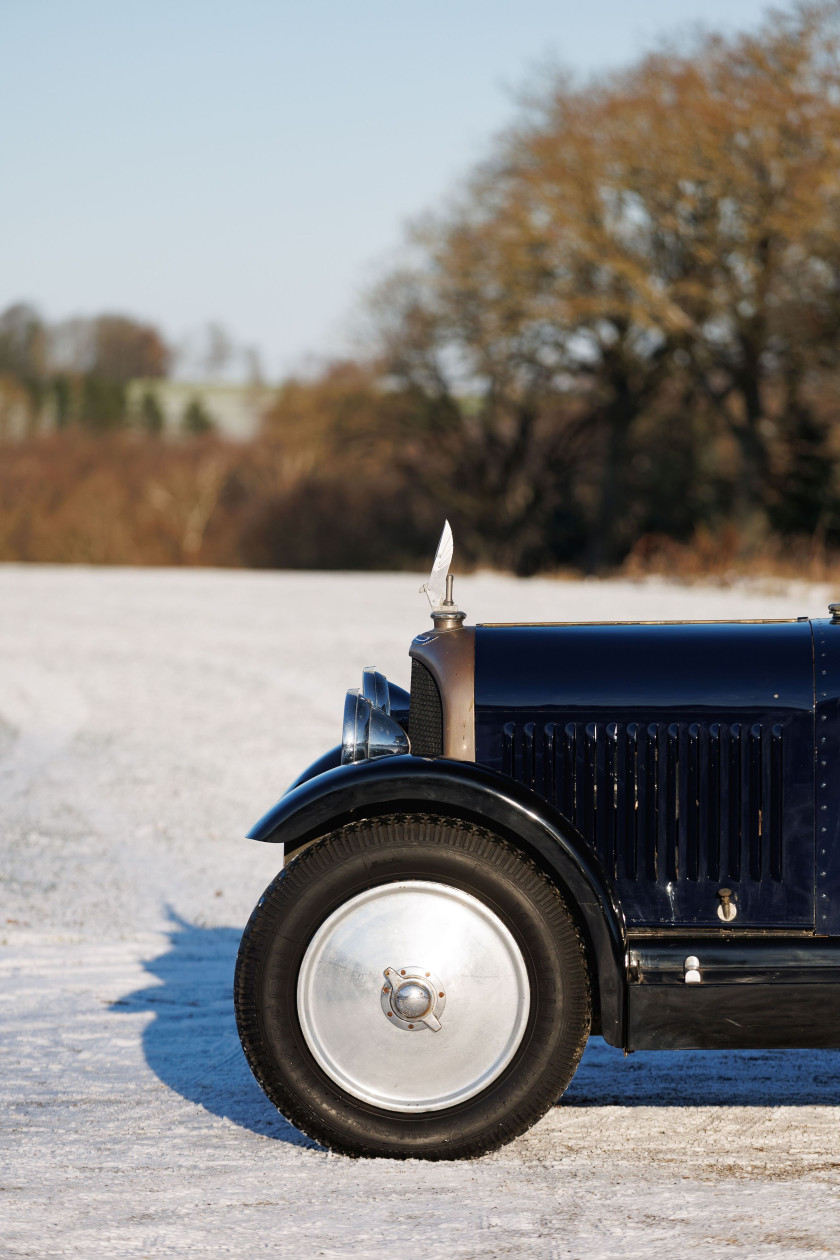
(368, 730)
(375, 689)
(354, 726)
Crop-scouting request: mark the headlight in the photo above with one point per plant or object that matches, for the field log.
(369, 731)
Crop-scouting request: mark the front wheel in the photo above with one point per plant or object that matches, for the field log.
(412, 987)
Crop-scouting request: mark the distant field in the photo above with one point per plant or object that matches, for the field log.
(147, 718)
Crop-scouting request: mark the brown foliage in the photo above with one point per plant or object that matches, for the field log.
(71, 498)
(124, 349)
(129, 499)
(729, 557)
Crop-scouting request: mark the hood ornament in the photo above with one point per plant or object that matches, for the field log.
(438, 590)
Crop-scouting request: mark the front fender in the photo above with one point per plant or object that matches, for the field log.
(327, 761)
(465, 790)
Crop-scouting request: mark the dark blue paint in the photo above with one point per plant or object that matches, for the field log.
(827, 680)
(327, 761)
(756, 991)
(680, 697)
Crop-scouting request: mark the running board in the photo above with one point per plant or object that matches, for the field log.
(702, 993)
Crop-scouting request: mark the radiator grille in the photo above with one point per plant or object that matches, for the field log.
(425, 714)
(662, 802)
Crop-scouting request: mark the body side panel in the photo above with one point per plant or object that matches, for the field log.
(683, 752)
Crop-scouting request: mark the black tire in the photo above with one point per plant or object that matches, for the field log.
(380, 851)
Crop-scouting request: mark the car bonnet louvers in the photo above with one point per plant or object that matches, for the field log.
(682, 754)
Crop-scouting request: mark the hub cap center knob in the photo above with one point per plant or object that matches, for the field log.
(412, 1000)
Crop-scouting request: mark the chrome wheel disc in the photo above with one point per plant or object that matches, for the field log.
(371, 1010)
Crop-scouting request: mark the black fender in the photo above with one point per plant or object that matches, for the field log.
(327, 761)
(462, 789)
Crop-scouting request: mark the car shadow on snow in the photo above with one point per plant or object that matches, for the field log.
(192, 1044)
(704, 1078)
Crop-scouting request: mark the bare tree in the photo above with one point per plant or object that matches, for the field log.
(680, 218)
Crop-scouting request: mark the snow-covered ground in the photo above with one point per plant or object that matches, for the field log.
(146, 719)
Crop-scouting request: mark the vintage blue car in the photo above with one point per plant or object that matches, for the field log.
(566, 829)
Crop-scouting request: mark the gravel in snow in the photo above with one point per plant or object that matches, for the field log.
(146, 719)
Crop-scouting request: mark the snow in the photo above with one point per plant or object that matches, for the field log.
(147, 718)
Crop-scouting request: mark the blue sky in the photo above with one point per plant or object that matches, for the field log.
(256, 162)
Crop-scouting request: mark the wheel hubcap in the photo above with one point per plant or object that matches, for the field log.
(472, 968)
